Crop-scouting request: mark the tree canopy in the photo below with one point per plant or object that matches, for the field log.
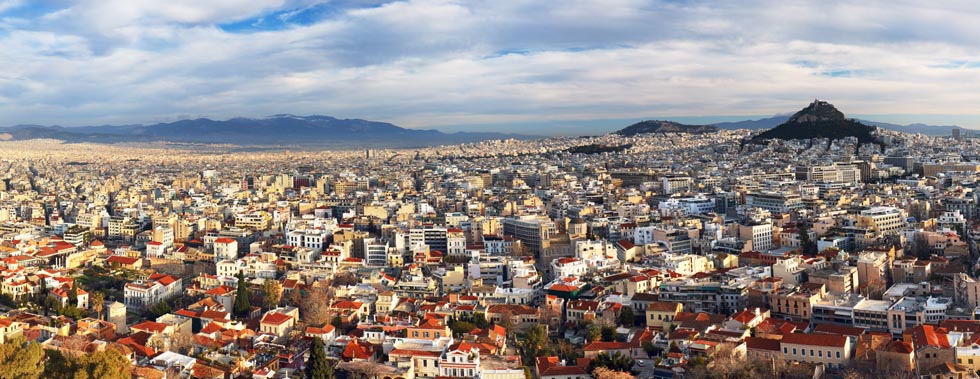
(21, 360)
(242, 302)
(319, 367)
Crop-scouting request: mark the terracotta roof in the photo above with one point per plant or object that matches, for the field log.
(414, 353)
(326, 329)
(150, 326)
(928, 335)
(900, 347)
(839, 329)
(357, 349)
(275, 318)
(819, 339)
(755, 343)
(602, 345)
(663, 306)
(122, 260)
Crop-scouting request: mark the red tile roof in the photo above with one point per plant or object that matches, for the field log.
(602, 346)
(755, 343)
(819, 339)
(275, 318)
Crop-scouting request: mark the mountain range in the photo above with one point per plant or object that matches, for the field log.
(274, 130)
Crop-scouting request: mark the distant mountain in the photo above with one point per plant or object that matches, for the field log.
(772, 122)
(275, 130)
(658, 126)
(819, 120)
(764, 123)
(932, 130)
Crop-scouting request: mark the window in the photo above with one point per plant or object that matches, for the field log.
(838, 355)
(811, 352)
(820, 353)
(794, 351)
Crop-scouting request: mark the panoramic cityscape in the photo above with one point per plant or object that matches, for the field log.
(507, 190)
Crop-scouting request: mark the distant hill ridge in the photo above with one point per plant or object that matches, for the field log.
(661, 126)
(274, 130)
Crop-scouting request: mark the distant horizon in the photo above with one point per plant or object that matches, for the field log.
(560, 128)
(550, 68)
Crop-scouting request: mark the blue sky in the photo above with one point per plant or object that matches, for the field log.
(542, 67)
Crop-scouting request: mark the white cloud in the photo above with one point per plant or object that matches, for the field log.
(439, 63)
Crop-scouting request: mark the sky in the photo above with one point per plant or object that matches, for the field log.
(534, 66)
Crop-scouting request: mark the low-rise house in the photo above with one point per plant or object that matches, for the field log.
(277, 324)
(832, 350)
(661, 314)
(553, 368)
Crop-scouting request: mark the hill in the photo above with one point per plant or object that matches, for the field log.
(772, 122)
(819, 120)
(275, 130)
(658, 126)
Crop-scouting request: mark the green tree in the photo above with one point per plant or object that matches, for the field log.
(626, 317)
(461, 327)
(159, 309)
(480, 320)
(242, 302)
(271, 293)
(608, 333)
(615, 362)
(71, 311)
(534, 343)
(98, 302)
(650, 348)
(21, 360)
(808, 246)
(319, 367)
(73, 293)
(108, 364)
(593, 332)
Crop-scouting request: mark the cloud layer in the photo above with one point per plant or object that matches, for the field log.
(431, 63)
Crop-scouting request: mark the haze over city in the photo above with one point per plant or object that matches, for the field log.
(543, 68)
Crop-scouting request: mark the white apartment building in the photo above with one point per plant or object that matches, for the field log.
(157, 288)
(566, 267)
(883, 220)
(225, 249)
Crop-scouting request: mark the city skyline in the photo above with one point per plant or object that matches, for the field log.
(527, 67)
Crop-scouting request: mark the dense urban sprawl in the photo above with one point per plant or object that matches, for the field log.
(649, 256)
